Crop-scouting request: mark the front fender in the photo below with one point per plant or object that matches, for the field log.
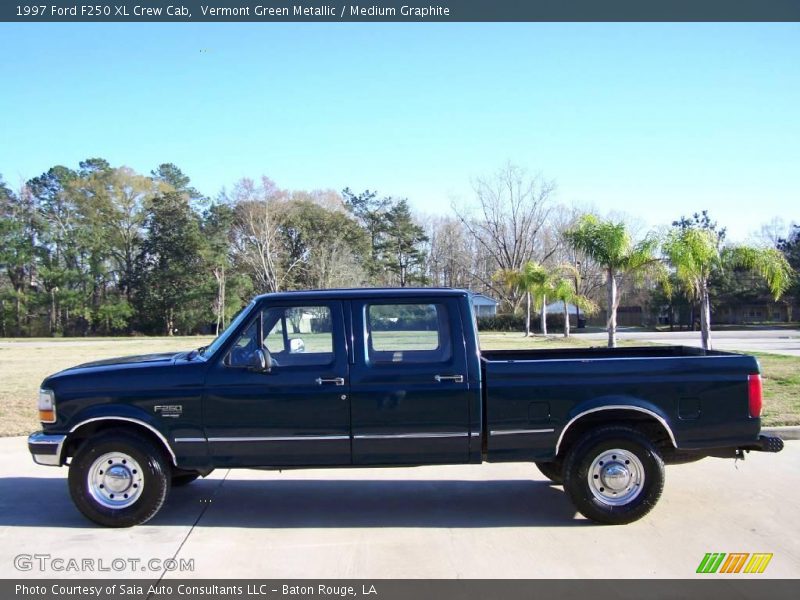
(124, 414)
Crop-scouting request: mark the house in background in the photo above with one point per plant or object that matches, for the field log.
(557, 308)
(484, 306)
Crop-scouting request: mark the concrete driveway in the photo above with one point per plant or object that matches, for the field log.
(489, 521)
(775, 341)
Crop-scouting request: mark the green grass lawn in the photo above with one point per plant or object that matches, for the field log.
(23, 365)
(781, 376)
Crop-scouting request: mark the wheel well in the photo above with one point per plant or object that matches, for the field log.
(84, 432)
(647, 424)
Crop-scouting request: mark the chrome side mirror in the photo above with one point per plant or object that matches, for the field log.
(296, 345)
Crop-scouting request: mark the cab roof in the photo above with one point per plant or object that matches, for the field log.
(358, 293)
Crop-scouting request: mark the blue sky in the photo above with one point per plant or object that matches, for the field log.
(656, 120)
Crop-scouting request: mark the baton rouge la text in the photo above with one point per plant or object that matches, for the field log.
(195, 590)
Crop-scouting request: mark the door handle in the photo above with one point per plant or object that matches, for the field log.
(335, 381)
(453, 378)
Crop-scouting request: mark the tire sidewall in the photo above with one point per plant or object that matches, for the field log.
(154, 472)
(580, 459)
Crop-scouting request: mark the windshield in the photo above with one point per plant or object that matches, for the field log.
(220, 340)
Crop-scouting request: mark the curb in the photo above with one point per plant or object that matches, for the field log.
(785, 433)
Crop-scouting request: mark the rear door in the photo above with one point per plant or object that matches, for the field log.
(408, 383)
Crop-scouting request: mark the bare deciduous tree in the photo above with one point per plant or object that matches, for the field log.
(260, 211)
(509, 220)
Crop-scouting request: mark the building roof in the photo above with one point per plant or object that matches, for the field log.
(484, 300)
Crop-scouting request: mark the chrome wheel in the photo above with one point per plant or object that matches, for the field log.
(115, 480)
(616, 477)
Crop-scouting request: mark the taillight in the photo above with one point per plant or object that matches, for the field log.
(754, 394)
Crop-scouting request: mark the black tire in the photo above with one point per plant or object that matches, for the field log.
(154, 477)
(554, 471)
(633, 445)
(183, 479)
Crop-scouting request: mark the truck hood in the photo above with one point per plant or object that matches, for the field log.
(164, 357)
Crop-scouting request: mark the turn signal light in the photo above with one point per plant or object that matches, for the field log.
(47, 406)
(755, 395)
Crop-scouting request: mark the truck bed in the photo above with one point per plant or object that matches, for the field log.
(530, 396)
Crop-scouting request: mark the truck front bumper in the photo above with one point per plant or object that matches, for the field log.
(46, 448)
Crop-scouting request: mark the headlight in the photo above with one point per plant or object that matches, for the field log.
(47, 406)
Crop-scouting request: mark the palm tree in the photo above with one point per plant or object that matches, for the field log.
(530, 280)
(610, 245)
(564, 290)
(695, 254)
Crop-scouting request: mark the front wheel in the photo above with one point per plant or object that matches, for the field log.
(614, 475)
(118, 479)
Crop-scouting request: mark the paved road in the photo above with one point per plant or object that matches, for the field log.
(775, 341)
(494, 521)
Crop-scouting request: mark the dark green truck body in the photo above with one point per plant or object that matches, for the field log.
(358, 401)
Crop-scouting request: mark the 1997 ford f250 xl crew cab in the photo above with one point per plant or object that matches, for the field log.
(390, 377)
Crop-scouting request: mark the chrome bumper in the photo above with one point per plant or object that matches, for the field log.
(46, 448)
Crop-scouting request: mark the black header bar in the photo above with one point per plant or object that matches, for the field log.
(265, 11)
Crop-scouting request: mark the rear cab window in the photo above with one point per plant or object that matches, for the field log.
(408, 333)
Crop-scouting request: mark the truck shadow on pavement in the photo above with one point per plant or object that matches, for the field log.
(45, 502)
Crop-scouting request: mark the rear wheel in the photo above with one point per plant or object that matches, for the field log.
(552, 470)
(118, 479)
(614, 475)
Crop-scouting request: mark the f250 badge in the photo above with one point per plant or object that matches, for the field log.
(169, 410)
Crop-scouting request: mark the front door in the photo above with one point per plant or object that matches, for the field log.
(409, 389)
(296, 414)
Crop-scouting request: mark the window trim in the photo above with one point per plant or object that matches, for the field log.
(260, 332)
(443, 317)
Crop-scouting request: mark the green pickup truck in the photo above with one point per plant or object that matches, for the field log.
(391, 377)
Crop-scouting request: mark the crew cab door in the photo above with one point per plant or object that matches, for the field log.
(409, 392)
(298, 413)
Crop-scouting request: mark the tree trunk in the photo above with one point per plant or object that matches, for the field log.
(18, 310)
(544, 315)
(52, 312)
(222, 297)
(705, 318)
(566, 319)
(611, 323)
(527, 314)
(219, 275)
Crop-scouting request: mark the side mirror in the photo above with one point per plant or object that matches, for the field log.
(260, 362)
(296, 345)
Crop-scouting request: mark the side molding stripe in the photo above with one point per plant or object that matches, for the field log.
(519, 431)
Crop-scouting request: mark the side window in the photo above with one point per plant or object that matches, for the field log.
(408, 333)
(240, 355)
(299, 335)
